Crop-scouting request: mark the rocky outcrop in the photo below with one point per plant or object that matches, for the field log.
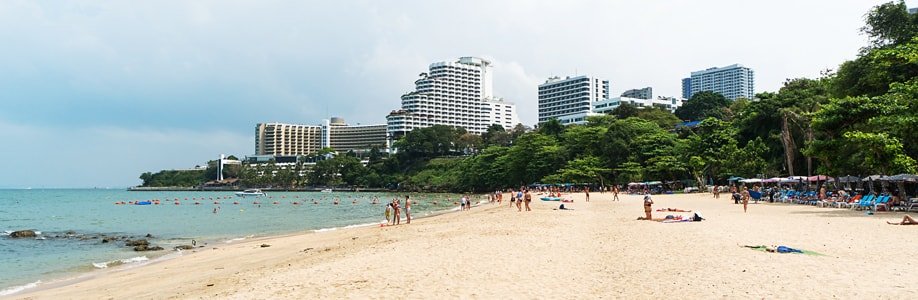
(147, 248)
(132, 243)
(184, 247)
(23, 234)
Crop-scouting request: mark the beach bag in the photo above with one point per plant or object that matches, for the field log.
(697, 217)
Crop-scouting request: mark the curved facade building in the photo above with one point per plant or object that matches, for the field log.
(457, 93)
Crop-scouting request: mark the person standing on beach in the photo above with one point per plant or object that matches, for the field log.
(512, 198)
(648, 206)
(388, 213)
(398, 215)
(585, 190)
(408, 209)
(745, 199)
(615, 192)
(519, 200)
(528, 198)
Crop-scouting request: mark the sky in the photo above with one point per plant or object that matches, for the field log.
(94, 93)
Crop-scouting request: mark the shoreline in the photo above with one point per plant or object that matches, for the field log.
(595, 250)
(69, 278)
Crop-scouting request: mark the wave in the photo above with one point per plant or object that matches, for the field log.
(238, 239)
(325, 229)
(363, 225)
(16, 289)
(103, 265)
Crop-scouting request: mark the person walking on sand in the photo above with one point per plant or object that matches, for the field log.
(512, 198)
(585, 191)
(528, 198)
(408, 209)
(648, 206)
(615, 192)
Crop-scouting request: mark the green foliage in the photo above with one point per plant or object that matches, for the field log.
(703, 105)
(624, 111)
(173, 178)
(552, 127)
(890, 24)
(662, 117)
(588, 169)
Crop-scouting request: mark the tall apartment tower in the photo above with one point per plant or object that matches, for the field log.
(645, 93)
(456, 93)
(570, 100)
(686, 88)
(733, 81)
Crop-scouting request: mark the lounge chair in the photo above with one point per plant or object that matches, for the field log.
(913, 204)
(851, 201)
(882, 201)
(864, 202)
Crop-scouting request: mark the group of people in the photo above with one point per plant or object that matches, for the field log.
(394, 211)
(521, 198)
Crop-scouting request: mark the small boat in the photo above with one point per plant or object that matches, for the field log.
(250, 193)
(143, 203)
(327, 190)
(550, 198)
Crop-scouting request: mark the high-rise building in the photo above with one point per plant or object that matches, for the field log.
(913, 10)
(280, 139)
(645, 93)
(570, 100)
(687, 88)
(453, 93)
(733, 81)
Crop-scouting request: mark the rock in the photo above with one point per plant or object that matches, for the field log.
(184, 247)
(149, 236)
(105, 241)
(147, 248)
(70, 232)
(130, 243)
(22, 234)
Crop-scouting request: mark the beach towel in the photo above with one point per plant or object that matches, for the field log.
(782, 249)
(786, 249)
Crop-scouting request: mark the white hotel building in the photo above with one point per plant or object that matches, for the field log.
(572, 99)
(734, 81)
(456, 93)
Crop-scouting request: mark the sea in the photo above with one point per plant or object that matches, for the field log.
(72, 224)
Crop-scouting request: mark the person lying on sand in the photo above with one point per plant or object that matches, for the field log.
(674, 210)
(906, 220)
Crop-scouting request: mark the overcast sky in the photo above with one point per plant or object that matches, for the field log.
(94, 93)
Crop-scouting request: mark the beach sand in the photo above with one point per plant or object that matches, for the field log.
(597, 250)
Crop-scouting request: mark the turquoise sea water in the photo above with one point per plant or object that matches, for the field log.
(73, 222)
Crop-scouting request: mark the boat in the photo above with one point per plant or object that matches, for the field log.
(250, 193)
(551, 198)
(326, 190)
(143, 203)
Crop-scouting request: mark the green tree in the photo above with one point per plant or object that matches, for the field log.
(703, 105)
(552, 128)
(624, 111)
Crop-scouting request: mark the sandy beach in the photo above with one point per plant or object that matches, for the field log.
(597, 250)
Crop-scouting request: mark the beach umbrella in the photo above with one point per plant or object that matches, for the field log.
(735, 178)
(902, 178)
(817, 178)
(848, 179)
